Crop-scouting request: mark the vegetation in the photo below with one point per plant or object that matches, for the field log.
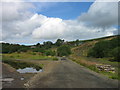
(86, 52)
(10, 48)
(55, 59)
(27, 56)
(59, 42)
(106, 48)
(90, 63)
(21, 64)
(47, 44)
(98, 51)
(50, 53)
(64, 50)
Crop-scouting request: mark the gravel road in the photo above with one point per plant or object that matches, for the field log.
(68, 74)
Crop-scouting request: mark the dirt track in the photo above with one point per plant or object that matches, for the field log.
(67, 74)
(59, 74)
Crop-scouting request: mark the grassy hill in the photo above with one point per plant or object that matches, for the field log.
(82, 49)
(80, 56)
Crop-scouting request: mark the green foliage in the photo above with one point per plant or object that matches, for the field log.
(77, 42)
(47, 44)
(21, 64)
(50, 53)
(99, 49)
(24, 49)
(26, 56)
(55, 59)
(33, 53)
(38, 44)
(63, 50)
(59, 42)
(10, 48)
(106, 48)
(116, 54)
(37, 49)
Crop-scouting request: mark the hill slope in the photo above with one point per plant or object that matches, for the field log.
(82, 49)
(80, 54)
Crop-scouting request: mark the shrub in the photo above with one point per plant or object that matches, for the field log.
(63, 50)
(116, 53)
(105, 49)
(33, 53)
(50, 53)
(55, 58)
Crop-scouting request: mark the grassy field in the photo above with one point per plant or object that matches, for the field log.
(27, 56)
(22, 60)
(25, 59)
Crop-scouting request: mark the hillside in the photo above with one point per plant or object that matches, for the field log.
(82, 49)
(80, 55)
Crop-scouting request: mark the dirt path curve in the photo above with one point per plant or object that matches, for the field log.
(68, 74)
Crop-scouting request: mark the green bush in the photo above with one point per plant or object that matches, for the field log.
(50, 53)
(55, 59)
(107, 48)
(63, 50)
(33, 53)
(116, 54)
(42, 50)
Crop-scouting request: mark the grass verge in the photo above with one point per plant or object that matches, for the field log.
(92, 66)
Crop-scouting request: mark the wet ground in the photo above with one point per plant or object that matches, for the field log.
(57, 74)
(13, 79)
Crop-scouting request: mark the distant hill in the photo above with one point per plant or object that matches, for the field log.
(79, 47)
(82, 50)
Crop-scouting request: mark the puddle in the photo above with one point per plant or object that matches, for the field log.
(29, 70)
(9, 80)
(21, 78)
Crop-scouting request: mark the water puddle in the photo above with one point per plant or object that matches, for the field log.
(29, 70)
(22, 78)
(9, 80)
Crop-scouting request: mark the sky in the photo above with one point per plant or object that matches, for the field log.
(64, 10)
(32, 22)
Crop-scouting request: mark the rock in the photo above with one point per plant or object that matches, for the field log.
(106, 68)
(108, 65)
(26, 85)
(112, 68)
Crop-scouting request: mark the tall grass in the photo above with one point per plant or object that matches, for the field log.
(27, 55)
(91, 64)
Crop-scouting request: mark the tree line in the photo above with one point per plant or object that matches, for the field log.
(45, 48)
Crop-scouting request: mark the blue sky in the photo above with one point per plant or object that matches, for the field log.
(63, 10)
(29, 23)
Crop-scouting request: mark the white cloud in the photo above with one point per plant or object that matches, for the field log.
(53, 28)
(12, 13)
(101, 14)
(50, 28)
(20, 25)
(15, 11)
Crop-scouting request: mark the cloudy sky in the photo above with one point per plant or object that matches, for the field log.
(33, 22)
